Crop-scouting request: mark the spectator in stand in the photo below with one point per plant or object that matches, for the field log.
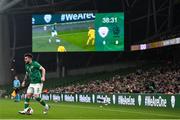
(156, 80)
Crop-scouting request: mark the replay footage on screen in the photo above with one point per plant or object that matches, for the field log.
(78, 32)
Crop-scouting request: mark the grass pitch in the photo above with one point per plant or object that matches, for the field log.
(74, 40)
(9, 110)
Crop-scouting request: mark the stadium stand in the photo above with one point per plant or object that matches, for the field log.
(164, 79)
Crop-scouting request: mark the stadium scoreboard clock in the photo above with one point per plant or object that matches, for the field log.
(109, 20)
(109, 31)
(78, 32)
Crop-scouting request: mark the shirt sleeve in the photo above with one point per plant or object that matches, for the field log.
(37, 65)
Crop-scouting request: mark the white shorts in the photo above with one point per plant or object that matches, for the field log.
(54, 34)
(35, 88)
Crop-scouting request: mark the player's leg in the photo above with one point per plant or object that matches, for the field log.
(26, 103)
(56, 37)
(17, 95)
(27, 100)
(55, 34)
(93, 41)
(88, 41)
(50, 40)
(37, 92)
(52, 35)
(43, 103)
(28, 96)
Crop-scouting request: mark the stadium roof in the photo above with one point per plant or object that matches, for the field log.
(145, 20)
(153, 18)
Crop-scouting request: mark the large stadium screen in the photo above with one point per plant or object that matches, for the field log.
(78, 32)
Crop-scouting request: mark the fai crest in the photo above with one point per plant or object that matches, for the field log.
(47, 18)
(103, 31)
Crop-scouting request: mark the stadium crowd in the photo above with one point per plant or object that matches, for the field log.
(155, 80)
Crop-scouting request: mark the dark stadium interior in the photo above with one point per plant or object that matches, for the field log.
(140, 79)
(140, 27)
(145, 22)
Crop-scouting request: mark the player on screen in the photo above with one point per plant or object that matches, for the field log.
(91, 36)
(54, 34)
(61, 49)
(45, 28)
(35, 73)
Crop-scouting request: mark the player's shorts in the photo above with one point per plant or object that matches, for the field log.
(91, 38)
(53, 34)
(35, 88)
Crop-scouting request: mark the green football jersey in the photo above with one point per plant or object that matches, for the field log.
(33, 71)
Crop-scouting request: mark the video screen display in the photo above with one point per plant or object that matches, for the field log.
(78, 32)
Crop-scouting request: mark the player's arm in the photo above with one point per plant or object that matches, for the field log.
(43, 73)
(24, 80)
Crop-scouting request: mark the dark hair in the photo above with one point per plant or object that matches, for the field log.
(28, 55)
